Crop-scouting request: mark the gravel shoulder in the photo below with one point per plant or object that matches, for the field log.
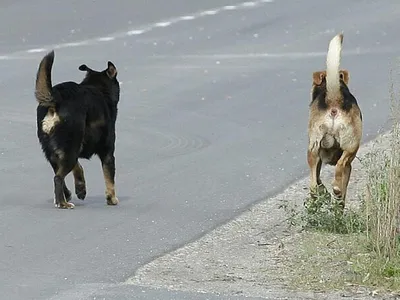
(253, 255)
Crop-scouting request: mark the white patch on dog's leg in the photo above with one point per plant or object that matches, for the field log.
(57, 205)
(50, 121)
(68, 205)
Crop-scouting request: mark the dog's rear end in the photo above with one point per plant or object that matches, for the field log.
(335, 124)
(57, 138)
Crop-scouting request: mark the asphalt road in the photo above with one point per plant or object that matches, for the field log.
(212, 118)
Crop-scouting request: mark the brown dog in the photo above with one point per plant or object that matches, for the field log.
(335, 124)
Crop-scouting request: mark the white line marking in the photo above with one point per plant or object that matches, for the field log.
(36, 50)
(74, 44)
(136, 32)
(248, 4)
(209, 12)
(289, 55)
(162, 24)
(149, 27)
(230, 7)
(258, 55)
(187, 18)
(106, 39)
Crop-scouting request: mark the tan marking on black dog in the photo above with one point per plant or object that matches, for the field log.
(97, 123)
(335, 123)
(60, 154)
(110, 187)
(50, 121)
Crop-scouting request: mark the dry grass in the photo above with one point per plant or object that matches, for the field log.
(325, 261)
(382, 200)
(331, 262)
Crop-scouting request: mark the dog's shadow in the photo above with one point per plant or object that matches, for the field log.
(92, 201)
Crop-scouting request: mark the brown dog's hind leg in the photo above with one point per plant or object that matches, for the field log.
(342, 176)
(315, 164)
(80, 183)
(346, 178)
(108, 165)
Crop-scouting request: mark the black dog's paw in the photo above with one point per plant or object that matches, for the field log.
(64, 205)
(80, 191)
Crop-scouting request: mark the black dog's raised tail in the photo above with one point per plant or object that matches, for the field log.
(43, 89)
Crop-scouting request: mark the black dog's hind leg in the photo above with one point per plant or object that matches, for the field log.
(66, 166)
(80, 184)
(108, 165)
(67, 192)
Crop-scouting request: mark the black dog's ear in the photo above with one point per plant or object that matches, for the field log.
(111, 70)
(85, 68)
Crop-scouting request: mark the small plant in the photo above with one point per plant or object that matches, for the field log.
(324, 213)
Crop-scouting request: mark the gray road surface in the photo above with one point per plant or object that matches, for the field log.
(212, 118)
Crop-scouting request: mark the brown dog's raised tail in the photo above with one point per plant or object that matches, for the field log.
(43, 89)
(332, 67)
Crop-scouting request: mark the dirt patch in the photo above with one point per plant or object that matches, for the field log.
(257, 255)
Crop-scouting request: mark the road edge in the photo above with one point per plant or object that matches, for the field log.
(241, 257)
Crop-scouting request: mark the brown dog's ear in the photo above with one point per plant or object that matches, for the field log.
(344, 75)
(111, 70)
(318, 77)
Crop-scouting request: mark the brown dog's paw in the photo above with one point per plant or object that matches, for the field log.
(112, 200)
(337, 192)
(338, 196)
(318, 191)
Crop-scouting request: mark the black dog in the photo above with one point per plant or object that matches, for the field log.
(77, 121)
